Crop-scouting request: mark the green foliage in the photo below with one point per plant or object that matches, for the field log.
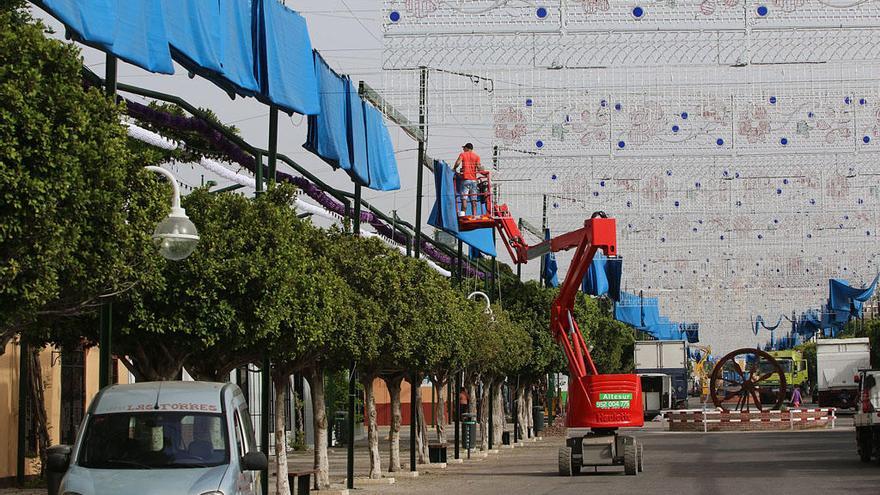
(76, 210)
(216, 308)
(809, 352)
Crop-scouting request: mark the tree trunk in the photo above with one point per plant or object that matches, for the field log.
(35, 383)
(421, 427)
(393, 384)
(530, 417)
(440, 381)
(372, 426)
(282, 487)
(315, 376)
(498, 420)
(521, 421)
(484, 413)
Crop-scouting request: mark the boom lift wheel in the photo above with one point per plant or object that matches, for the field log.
(630, 458)
(565, 466)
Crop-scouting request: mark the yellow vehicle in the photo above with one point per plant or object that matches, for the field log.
(793, 365)
(703, 368)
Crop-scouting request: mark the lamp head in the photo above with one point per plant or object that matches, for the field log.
(176, 236)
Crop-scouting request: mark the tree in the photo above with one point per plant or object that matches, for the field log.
(76, 210)
(212, 310)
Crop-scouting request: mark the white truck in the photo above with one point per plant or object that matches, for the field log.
(663, 368)
(838, 362)
(867, 417)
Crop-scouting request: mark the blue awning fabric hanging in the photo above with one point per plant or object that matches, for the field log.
(603, 277)
(284, 59)
(356, 135)
(845, 300)
(380, 152)
(133, 30)
(328, 131)
(444, 214)
(551, 268)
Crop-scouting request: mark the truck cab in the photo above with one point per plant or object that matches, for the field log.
(154, 438)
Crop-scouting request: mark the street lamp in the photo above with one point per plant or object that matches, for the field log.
(175, 236)
(472, 296)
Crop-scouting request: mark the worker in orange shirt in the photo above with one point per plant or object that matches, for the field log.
(469, 162)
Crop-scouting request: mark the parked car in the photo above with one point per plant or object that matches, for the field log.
(155, 438)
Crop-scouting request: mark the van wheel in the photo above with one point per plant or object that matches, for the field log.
(641, 453)
(630, 458)
(565, 468)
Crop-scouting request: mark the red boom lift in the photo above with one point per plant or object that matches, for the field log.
(598, 403)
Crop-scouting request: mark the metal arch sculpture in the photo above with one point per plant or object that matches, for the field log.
(759, 377)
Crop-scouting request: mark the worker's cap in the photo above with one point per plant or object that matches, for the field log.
(468, 146)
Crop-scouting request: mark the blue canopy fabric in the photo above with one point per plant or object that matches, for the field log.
(193, 28)
(603, 277)
(133, 30)
(691, 332)
(284, 62)
(236, 28)
(380, 152)
(628, 309)
(356, 135)
(760, 323)
(845, 300)
(328, 132)
(551, 277)
(444, 214)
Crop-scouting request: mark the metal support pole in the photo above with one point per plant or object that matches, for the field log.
(265, 399)
(494, 294)
(23, 374)
(494, 157)
(457, 414)
(544, 231)
(273, 144)
(460, 262)
(105, 363)
(514, 408)
(352, 393)
(258, 172)
(110, 76)
(412, 422)
(519, 265)
(423, 96)
(409, 252)
(357, 209)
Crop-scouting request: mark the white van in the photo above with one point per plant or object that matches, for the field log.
(154, 438)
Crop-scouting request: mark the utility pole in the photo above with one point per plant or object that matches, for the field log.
(423, 99)
(352, 393)
(105, 341)
(544, 231)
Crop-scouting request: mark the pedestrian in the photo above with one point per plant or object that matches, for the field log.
(462, 401)
(469, 162)
(796, 397)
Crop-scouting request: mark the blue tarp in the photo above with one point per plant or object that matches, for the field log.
(133, 30)
(328, 133)
(691, 332)
(284, 59)
(603, 277)
(628, 309)
(380, 150)
(444, 213)
(357, 135)
(214, 39)
(845, 300)
(551, 268)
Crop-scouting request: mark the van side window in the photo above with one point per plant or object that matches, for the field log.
(240, 442)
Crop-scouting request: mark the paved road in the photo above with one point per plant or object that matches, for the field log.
(797, 463)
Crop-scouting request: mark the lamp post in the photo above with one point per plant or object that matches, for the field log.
(175, 237)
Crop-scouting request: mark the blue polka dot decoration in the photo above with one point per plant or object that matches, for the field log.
(602, 183)
(669, 173)
(809, 236)
(736, 175)
(762, 10)
(394, 16)
(810, 115)
(675, 128)
(697, 185)
(541, 12)
(553, 177)
(539, 144)
(719, 142)
(772, 100)
(556, 205)
(638, 12)
(694, 229)
(861, 201)
(662, 239)
(629, 204)
(785, 181)
(722, 238)
(618, 106)
(684, 115)
(677, 204)
(739, 203)
(529, 102)
(760, 236)
(866, 139)
(847, 100)
(775, 220)
(621, 144)
(603, 103)
(783, 141)
(862, 101)
(596, 194)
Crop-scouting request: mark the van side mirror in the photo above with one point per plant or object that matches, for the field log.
(254, 461)
(58, 458)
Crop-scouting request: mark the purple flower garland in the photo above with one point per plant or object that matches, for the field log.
(194, 124)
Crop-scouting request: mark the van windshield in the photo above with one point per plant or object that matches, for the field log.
(154, 440)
